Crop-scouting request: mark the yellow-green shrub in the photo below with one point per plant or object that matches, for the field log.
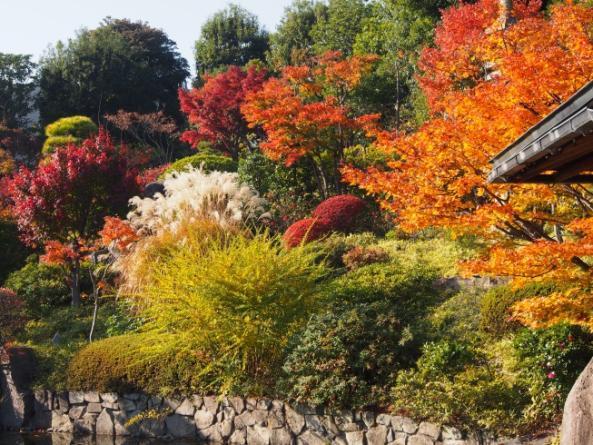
(76, 126)
(52, 143)
(236, 298)
(68, 130)
(136, 362)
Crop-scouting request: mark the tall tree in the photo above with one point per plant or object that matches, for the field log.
(487, 83)
(232, 36)
(214, 110)
(305, 115)
(16, 88)
(338, 28)
(292, 43)
(119, 65)
(61, 204)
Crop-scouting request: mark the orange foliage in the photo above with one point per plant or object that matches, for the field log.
(487, 85)
(118, 233)
(304, 113)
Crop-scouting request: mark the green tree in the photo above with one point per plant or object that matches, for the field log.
(16, 87)
(337, 30)
(293, 41)
(232, 36)
(396, 30)
(119, 65)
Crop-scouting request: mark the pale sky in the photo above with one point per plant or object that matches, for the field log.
(29, 26)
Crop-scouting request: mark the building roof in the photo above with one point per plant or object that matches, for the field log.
(558, 149)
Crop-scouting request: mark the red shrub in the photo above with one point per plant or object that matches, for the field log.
(306, 230)
(343, 212)
(12, 317)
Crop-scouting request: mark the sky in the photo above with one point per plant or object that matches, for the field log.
(29, 26)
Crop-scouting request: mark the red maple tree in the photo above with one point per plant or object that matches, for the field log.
(214, 110)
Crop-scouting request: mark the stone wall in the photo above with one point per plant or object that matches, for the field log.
(232, 420)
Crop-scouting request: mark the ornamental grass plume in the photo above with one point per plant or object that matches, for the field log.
(195, 194)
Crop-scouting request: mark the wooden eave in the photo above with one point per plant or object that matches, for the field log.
(558, 149)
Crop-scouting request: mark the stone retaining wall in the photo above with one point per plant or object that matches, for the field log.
(233, 420)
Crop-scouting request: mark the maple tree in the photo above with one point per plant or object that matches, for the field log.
(61, 204)
(214, 110)
(487, 80)
(305, 115)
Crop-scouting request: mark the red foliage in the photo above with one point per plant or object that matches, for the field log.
(12, 317)
(151, 175)
(214, 110)
(67, 196)
(118, 233)
(341, 211)
(306, 230)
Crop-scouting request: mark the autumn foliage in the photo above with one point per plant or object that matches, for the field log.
(214, 110)
(487, 84)
(61, 204)
(304, 114)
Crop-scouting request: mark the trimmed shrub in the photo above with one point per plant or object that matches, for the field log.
(51, 144)
(126, 363)
(12, 315)
(343, 212)
(345, 358)
(42, 287)
(363, 256)
(80, 127)
(67, 131)
(208, 161)
(348, 355)
(305, 231)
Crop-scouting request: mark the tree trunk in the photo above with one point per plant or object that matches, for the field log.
(75, 286)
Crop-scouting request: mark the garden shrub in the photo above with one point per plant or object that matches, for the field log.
(495, 308)
(454, 385)
(305, 231)
(347, 356)
(344, 213)
(52, 143)
(125, 364)
(548, 363)
(12, 315)
(208, 161)
(458, 317)
(235, 298)
(80, 127)
(41, 287)
(363, 256)
(336, 245)
(67, 131)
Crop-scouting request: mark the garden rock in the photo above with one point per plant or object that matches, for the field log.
(577, 422)
(180, 426)
(104, 425)
(376, 435)
(203, 419)
(355, 438)
(311, 438)
(186, 408)
(258, 435)
(295, 421)
(430, 429)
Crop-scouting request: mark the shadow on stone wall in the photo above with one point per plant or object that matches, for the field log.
(17, 370)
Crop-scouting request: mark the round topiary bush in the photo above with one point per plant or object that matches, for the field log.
(345, 213)
(66, 131)
(207, 160)
(306, 230)
(80, 127)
